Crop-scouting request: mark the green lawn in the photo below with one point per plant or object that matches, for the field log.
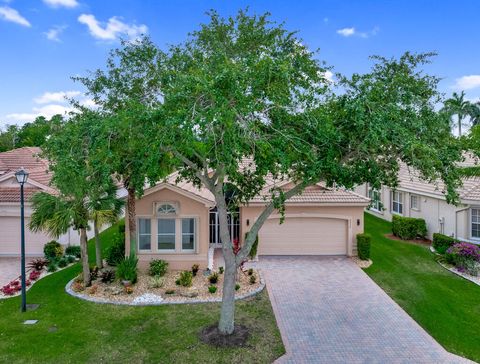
(74, 331)
(447, 306)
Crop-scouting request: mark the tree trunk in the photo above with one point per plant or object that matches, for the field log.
(84, 255)
(227, 313)
(98, 245)
(132, 226)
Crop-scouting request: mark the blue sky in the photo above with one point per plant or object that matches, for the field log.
(44, 42)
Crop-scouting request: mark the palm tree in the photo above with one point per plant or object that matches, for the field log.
(457, 105)
(55, 214)
(105, 208)
(475, 113)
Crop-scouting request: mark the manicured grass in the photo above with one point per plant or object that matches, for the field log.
(74, 331)
(447, 306)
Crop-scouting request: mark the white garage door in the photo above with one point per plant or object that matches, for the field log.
(303, 236)
(10, 238)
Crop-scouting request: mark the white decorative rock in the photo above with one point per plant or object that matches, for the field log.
(147, 298)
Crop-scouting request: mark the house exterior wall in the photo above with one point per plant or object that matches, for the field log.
(34, 242)
(187, 208)
(351, 214)
(439, 216)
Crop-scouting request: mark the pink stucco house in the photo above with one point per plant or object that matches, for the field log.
(178, 222)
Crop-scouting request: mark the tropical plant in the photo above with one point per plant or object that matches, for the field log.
(107, 275)
(37, 264)
(127, 90)
(244, 91)
(156, 282)
(195, 269)
(459, 107)
(158, 267)
(116, 252)
(127, 269)
(213, 278)
(186, 278)
(212, 289)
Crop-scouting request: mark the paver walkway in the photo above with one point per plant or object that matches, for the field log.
(330, 311)
(10, 269)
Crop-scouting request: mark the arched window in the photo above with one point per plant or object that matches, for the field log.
(166, 209)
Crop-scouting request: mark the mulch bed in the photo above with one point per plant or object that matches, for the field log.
(425, 242)
(211, 335)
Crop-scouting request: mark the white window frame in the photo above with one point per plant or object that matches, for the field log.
(417, 197)
(167, 234)
(472, 223)
(138, 233)
(375, 205)
(194, 233)
(399, 202)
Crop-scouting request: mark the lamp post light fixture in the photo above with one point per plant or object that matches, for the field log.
(22, 177)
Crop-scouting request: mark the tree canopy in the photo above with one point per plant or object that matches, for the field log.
(249, 102)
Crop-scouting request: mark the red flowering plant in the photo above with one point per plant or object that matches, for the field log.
(11, 288)
(34, 275)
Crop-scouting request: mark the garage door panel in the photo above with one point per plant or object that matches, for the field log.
(10, 238)
(303, 236)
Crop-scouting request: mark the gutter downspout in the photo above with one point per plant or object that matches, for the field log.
(456, 212)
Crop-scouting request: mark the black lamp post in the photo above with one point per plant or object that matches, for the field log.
(22, 176)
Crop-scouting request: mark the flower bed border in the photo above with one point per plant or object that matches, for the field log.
(468, 277)
(186, 300)
(3, 297)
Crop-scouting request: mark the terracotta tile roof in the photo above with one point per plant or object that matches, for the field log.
(410, 180)
(12, 194)
(319, 194)
(188, 186)
(27, 158)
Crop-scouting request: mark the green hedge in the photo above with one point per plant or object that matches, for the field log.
(441, 242)
(363, 246)
(408, 228)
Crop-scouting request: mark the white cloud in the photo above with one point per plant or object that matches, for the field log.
(48, 111)
(52, 103)
(59, 97)
(467, 82)
(12, 15)
(54, 33)
(328, 76)
(346, 32)
(60, 3)
(349, 32)
(112, 29)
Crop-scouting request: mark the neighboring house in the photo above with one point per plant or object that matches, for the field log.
(38, 180)
(178, 222)
(417, 198)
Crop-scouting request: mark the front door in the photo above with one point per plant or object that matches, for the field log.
(233, 227)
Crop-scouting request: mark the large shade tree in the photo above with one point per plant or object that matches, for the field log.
(126, 91)
(249, 101)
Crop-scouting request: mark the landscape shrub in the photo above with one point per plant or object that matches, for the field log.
(363, 246)
(93, 272)
(121, 227)
(116, 252)
(195, 269)
(213, 278)
(70, 258)
(63, 262)
(158, 267)
(38, 264)
(127, 269)
(52, 267)
(170, 291)
(465, 257)
(250, 271)
(107, 276)
(253, 279)
(237, 287)
(186, 278)
(73, 250)
(220, 270)
(156, 282)
(34, 275)
(441, 242)
(52, 249)
(212, 289)
(408, 228)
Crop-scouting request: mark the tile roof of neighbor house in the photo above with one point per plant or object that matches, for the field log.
(26, 157)
(313, 194)
(470, 190)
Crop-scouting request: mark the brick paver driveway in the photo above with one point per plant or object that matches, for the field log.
(330, 311)
(10, 269)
